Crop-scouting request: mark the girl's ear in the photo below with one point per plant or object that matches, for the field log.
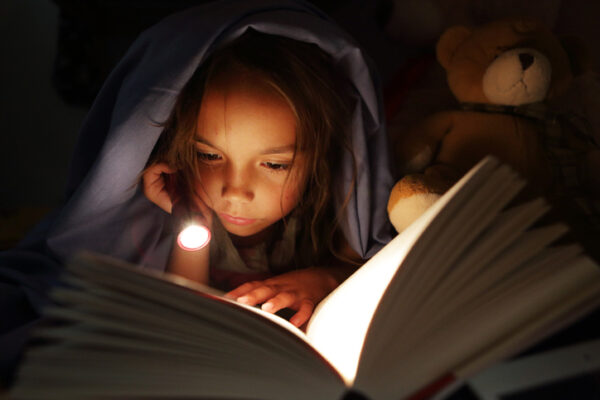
(450, 40)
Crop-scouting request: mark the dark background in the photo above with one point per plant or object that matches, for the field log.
(54, 55)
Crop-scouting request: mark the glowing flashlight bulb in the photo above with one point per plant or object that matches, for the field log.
(193, 237)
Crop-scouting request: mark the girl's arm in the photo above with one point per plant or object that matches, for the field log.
(192, 265)
(300, 290)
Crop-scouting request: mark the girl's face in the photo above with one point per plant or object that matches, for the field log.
(245, 138)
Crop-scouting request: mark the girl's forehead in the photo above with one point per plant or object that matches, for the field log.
(253, 82)
(247, 112)
(243, 82)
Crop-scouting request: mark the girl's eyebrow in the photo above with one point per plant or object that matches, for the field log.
(290, 148)
(204, 141)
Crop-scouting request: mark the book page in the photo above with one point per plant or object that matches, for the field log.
(416, 307)
(485, 286)
(552, 369)
(340, 323)
(165, 337)
(152, 286)
(562, 312)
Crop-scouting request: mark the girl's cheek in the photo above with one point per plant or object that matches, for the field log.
(203, 188)
(291, 195)
(296, 187)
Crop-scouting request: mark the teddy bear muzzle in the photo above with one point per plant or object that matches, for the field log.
(518, 76)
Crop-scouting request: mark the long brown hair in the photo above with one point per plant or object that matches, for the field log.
(304, 75)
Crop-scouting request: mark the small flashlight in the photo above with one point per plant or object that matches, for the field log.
(194, 235)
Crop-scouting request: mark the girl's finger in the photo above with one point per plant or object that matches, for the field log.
(257, 296)
(162, 168)
(164, 201)
(281, 300)
(304, 312)
(243, 289)
(156, 193)
(155, 172)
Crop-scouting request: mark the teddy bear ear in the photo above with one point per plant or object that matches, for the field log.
(526, 25)
(449, 42)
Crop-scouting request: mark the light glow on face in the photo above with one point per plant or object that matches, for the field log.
(250, 173)
(193, 237)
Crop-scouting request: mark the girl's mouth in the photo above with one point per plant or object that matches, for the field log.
(236, 220)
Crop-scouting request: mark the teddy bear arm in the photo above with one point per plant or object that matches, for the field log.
(417, 147)
(415, 193)
(408, 200)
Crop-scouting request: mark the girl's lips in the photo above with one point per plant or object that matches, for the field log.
(236, 220)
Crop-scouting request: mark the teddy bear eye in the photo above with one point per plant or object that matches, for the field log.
(499, 50)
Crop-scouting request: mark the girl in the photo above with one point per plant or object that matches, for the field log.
(255, 136)
(106, 211)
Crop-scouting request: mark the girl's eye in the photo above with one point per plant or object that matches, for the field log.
(276, 166)
(208, 156)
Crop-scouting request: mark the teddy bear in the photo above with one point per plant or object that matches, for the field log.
(416, 86)
(506, 76)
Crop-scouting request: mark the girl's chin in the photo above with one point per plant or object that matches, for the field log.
(236, 231)
(247, 236)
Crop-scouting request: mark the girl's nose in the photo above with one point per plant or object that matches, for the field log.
(237, 186)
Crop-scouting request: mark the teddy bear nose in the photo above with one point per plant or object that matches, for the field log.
(526, 60)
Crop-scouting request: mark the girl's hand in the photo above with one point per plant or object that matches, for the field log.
(155, 187)
(299, 290)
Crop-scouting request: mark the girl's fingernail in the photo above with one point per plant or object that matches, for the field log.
(267, 306)
(243, 299)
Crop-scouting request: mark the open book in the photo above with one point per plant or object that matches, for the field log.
(469, 283)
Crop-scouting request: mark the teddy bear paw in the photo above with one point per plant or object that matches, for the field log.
(408, 209)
